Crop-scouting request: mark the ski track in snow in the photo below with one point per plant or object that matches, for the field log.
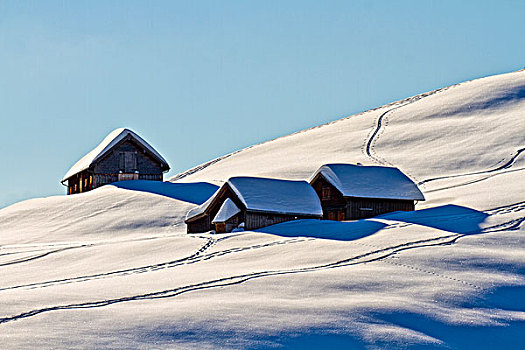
(368, 147)
(198, 256)
(238, 279)
(72, 245)
(371, 140)
(470, 182)
(191, 259)
(398, 104)
(390, 254)
(372, 256)
(388, 260)
(38, 256)
(507, 165)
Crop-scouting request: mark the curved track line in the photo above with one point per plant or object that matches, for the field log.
(367, 257)
(375, 255)
(372, 139)
(470, 182)
(430, 273)
(197, 257)
(507, 165)
(238, 279)
(398, 103)
(194, 258)
(368, 148)
(35, 257)
(201, 249)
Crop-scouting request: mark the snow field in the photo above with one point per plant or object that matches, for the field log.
(114, 268)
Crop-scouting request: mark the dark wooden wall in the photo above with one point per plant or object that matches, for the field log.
(81, 182)
(200, 225)
(229, 224)
(112, 164)
(259, 220)
(107, 169)
(332, 200)
(337, 207)
(252, 220)
(362, 208)
(204, 224)
(104, 179)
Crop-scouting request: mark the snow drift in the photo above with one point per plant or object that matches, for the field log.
(114, 268)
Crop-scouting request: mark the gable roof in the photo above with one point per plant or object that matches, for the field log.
(105, 146)
(269, 196)
(277, 196)
(369, 181)
(201, 209)
(228, 210)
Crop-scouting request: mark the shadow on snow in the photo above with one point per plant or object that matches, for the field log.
(327, 229)
(194, 192)
(451, 218)
(505, 335)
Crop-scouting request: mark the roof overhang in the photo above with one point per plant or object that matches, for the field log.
(114, 139)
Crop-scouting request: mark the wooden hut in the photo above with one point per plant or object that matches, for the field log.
(122, 155)
(252, 203)
(351, 192)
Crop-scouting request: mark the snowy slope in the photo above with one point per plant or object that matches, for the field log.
(114, 268)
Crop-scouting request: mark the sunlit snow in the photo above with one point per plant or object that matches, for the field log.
(114, 267)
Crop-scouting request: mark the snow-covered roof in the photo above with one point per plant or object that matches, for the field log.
(228, 210)
(276, 196)
(270, 195)
(199, 210)
(111, 140)
(370, 181)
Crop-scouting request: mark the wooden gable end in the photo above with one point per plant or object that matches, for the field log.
(327, 193)
(202, 223)
(128, 156)
(224, 193)
(332, 201)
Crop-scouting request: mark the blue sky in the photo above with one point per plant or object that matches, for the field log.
(198, 79)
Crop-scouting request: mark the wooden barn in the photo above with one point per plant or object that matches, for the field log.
(253, 203)
(122, 155)
(351, 192)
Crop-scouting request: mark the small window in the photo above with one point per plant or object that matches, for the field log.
(121, 162)
(128, 162)
(326, 193)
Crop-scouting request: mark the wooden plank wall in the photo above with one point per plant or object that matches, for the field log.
(198, 226)
(361, 208)
(259, 220)
(205, 224)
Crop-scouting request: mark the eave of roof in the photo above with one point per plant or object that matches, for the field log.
(302, 186)
(200, 211)
(361, 184)
(105, 146)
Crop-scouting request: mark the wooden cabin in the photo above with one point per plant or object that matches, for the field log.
(253, 203)
(351, 192)
(122, 155)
